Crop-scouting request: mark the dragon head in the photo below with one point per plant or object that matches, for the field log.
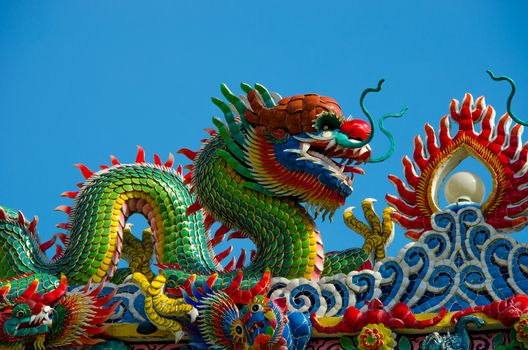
(22, 321)
(264, 321)
(54, 319)
(300, 147)
(235, 318)
(311, 154)
(28, 317)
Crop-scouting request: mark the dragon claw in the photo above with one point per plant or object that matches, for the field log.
(377, 233)
(138, 253)
(160, 308)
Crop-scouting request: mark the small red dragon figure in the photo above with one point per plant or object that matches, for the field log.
(507, 311)
(400, 316)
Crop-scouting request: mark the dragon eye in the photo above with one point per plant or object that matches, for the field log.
(239, 330)
(256, 308)
(327, 121)
(21, 310)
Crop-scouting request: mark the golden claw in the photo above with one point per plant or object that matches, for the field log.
(138, 253)
(378, 233)
(159, 306)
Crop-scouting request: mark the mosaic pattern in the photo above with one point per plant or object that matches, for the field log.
(462, 262)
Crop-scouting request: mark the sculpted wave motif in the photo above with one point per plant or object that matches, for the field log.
(463, 262)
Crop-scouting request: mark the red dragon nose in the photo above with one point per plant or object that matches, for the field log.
(356, 129)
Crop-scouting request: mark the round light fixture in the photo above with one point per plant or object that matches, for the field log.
(464, 186)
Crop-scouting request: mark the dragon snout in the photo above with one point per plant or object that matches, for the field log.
(43, 317)
(356, 129)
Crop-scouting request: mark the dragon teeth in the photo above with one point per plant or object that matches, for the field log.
(302, 139)
(292, 150)
(321, 138)
(330, 144)
(363, 150)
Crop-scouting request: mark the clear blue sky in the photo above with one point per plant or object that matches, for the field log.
(80, 80)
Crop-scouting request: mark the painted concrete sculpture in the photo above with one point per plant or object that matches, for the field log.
(260, 175)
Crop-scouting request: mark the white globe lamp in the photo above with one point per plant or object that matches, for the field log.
(464, 186)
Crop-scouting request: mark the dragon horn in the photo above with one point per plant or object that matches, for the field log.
(235, 285)
(233, 290)
(188, 283)
(30, 290)
(211, 280)
(263, 285)
(207, 286)
(244, 296)
(53, 295)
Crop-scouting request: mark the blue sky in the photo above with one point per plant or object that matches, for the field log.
(80, 80)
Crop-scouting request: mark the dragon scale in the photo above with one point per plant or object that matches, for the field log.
(237, 179)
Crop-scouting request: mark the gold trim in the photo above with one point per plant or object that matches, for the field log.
(447, 160)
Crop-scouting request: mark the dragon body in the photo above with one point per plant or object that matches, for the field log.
(251, 176)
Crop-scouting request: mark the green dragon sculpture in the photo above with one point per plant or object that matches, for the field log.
(251, 176)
